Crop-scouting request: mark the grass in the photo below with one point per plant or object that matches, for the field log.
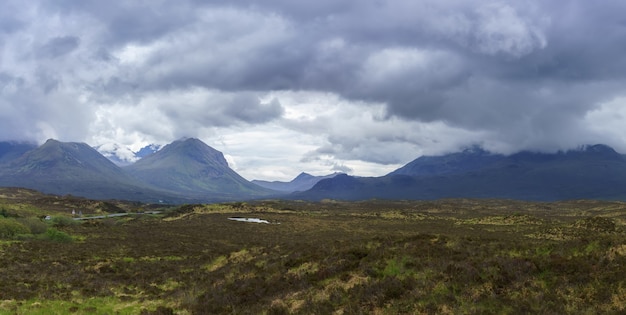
(381, 257)
(93, 305)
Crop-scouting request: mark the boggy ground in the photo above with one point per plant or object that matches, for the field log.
(376, 257)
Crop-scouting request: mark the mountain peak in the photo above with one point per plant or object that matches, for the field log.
(190, 166)
(192, 150)
(302, 176)
(68, 167)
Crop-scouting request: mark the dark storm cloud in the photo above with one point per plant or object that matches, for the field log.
(248, 109)
(198, 109)
(524, 74)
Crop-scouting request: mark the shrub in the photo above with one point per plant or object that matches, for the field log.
(10, 228)
(62, 221)
(58, 236)
(35, 225)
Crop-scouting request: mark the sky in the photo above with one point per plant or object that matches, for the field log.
(283, 87)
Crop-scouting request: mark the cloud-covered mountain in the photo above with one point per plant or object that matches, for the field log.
(302, 182)
(591, 172)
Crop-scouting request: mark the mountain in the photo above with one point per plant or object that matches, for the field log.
(73, 168)
(302, 182)
(10, 150)
(471, 159)
(192, 168)
(591, 172)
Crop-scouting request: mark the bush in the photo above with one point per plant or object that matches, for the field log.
(58, 236)
(35, 225)
(10, 228)
(62, 221)
(4, 213)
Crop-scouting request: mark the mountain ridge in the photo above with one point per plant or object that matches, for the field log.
(188, 170)
(304, 181)
(591, 172)
(76, 168)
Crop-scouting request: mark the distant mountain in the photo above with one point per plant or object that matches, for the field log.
(471, 159)
(192, 168)
(72, 168)
(591, 172)
(302, 182)
(11, 150)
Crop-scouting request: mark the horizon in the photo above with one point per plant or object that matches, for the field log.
(281, 88)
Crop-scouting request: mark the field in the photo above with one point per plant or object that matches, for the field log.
(374, 257)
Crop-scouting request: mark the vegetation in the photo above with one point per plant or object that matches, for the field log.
(381, 257)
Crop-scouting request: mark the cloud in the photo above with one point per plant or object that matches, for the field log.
(351, 84)
(58, 46)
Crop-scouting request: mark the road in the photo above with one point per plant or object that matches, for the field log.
(113, 215)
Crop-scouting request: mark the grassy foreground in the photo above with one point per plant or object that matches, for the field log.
(375, 257)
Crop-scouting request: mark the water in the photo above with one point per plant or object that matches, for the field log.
(253, 220)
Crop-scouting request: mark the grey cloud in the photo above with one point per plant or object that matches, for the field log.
(524, 73)
(10, 24)
(197, 109)
(58, 46)
(126, 22)
(341, 168)
(248, 109)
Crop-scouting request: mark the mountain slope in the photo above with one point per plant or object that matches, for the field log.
(593, 172)
(72, 168)
(471, 159)
(192, 168)
(10, 150)
(302, 182)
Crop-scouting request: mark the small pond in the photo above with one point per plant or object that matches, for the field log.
(252, 220)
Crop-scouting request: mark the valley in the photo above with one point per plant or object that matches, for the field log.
(447, 256)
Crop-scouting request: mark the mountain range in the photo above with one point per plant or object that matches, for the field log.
(590, 172)
(302, 182)
(184, 171)
(188, 170)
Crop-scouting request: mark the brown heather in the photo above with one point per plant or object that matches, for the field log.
(375, 257)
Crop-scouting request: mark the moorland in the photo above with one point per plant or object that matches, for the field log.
(450, 256)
